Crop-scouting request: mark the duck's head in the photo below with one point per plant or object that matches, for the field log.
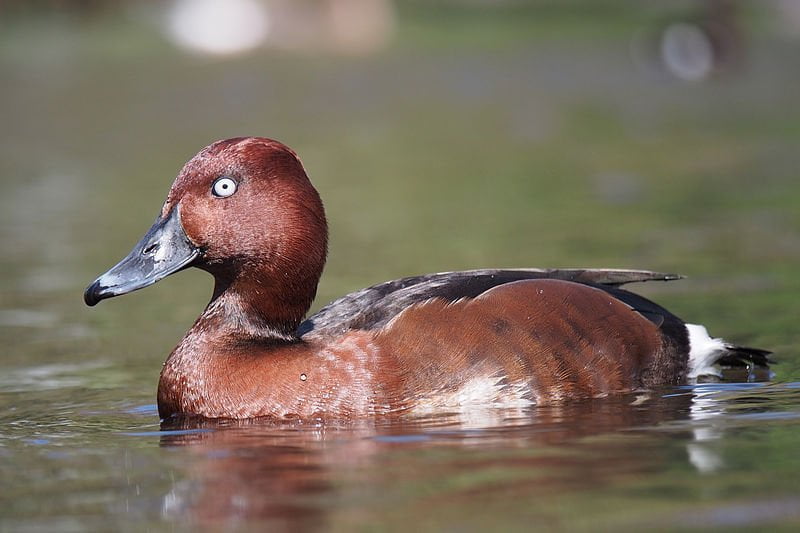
(242, 209)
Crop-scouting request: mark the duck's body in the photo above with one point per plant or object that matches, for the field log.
(244, 210)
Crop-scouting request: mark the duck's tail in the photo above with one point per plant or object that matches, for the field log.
(707, 355)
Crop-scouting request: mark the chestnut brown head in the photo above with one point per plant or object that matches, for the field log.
(248, 200)
(242, 209)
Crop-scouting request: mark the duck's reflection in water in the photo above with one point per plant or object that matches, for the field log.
(292, 475)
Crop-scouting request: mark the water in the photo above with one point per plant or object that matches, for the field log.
(710, 455)
(487, 141)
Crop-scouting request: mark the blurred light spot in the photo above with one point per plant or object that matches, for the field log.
(352, 27)
(687, 52)
(360, 26)
(219, 27)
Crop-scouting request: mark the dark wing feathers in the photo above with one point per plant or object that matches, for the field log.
(745, 356)
(374, 306)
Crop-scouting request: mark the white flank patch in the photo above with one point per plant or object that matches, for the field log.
(704, 352)
(477, 393)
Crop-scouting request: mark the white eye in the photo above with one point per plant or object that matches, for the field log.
(223, 187)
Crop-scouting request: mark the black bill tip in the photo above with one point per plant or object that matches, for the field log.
(94, 293)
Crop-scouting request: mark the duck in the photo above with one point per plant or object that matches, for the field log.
(244, 210)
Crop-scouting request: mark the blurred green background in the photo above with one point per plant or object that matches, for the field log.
(442, 135)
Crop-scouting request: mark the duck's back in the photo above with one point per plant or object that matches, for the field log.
(371, 308)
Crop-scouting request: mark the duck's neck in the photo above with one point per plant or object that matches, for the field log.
(260, 309)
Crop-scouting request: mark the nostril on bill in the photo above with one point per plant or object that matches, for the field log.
(150, 249)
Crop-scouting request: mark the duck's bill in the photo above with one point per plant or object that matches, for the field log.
(164, 250)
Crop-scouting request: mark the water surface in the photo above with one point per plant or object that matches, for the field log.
(476, 139)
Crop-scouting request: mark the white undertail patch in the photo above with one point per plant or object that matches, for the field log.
(704, 352)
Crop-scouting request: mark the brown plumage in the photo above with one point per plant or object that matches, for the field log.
(244, 210)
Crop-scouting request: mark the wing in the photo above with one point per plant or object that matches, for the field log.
(373, 307)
